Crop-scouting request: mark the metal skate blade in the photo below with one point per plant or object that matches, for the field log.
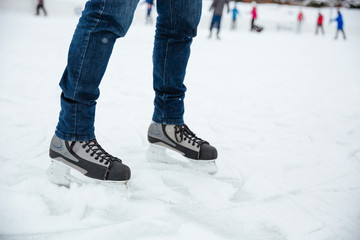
(63, 176)
(58, 174)
(160, 154)
(208, 166)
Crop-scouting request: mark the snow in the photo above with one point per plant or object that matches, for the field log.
(281, 108)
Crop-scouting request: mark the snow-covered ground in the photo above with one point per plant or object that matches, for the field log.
(283, 109)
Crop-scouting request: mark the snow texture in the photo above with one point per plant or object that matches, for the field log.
(283, 109)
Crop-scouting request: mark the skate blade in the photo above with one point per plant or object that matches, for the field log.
(160, 154)
(208, 166)
(60, 174)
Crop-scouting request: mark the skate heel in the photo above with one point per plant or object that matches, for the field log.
(58, 174)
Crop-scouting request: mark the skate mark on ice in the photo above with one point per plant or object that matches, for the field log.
(229, 223)
(355, 154)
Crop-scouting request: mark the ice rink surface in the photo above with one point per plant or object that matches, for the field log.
(283, 110)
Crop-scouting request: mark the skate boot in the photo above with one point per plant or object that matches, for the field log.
(181, 139)
(87, 157)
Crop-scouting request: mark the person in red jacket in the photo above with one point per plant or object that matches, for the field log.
(253, 17)
(320, 24)
(300, 19)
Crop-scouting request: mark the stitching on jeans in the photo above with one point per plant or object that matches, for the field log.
(87, 45)
(166, 54)
(164, 79)
(75, 122)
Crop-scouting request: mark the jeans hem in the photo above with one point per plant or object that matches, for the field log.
(171, 121)
(72, 137)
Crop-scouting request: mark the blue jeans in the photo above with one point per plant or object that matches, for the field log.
(101, 23)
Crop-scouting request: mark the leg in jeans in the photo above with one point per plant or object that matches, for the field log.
(175, 28)
(102, 22)
(219, 22)
(212, 23)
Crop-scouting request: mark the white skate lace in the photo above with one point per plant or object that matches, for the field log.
(186, 134)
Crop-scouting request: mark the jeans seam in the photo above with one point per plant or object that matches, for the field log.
(164, 74)
(166, 55)
(87, 45)
(75, 118)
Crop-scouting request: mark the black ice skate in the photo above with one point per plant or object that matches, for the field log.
(87, 157)
(181, 139)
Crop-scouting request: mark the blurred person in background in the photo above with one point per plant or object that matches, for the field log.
(300, 20)
(40, 5)
(235, 12)
(253, 17)
(340, 25)
(218, 6)
(150, 4)
(319, 24)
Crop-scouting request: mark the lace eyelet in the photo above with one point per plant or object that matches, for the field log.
(83, 146)
(96, 158)
(92, 154)
(87, 150)
(101, 160)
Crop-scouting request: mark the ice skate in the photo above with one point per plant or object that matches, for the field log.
(181, 139)
(86, 157)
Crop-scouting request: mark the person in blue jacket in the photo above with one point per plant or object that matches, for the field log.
(235, 12)
(340, 25)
